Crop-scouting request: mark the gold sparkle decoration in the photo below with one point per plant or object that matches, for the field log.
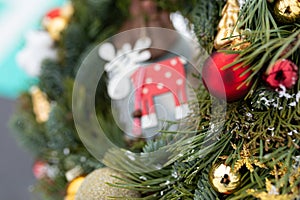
(223, 179)
(41, 105)
(271, 193)
(279, 172)
(246, 159)
(287, 11)
(95, 186)
(227, 25)
(293, 178)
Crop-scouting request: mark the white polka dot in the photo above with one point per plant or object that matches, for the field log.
(183, 61)
(160, 86)
(173, 62)
(179, 81)
(157, 67)
(145, 90)
(168, 74)
(148, 80)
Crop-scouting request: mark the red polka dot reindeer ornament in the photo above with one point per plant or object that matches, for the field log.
(125, 71)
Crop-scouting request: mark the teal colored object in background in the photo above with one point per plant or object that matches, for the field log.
(2, 7)
(16, 19)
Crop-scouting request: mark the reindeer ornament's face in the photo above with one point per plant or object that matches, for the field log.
(118, 88)
(122, 64)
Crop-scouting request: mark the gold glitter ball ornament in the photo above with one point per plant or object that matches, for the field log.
(223, 179)
(95, 186)
(287, 11)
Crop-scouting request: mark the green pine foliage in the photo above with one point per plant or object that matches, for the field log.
(28, 132)
(266, 123)
(205, 19)
(51, 79)
(257, 136)
(56, 141)
(204, 190)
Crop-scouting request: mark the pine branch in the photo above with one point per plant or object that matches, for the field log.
(255, 15)
(256, 57)
(51, 80)
(204, 190)
(50, 189)
(30, 134)
(269, 40)
(205, 19)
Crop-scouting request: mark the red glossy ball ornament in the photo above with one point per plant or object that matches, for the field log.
(225, 83)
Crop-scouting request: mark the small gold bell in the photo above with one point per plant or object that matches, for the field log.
(287, 11)
(223, 179)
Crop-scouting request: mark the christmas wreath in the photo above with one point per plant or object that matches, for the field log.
(244, 140)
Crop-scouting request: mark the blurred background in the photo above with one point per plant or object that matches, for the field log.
(15, 163)
(17, 18)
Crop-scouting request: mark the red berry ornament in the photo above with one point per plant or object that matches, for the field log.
(39, 169)
(54, 13)
(56, 20)
(282, 73)
(225, 83)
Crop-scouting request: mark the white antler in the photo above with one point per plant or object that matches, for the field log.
(142, 43)
(107, 51)
(116, 59)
